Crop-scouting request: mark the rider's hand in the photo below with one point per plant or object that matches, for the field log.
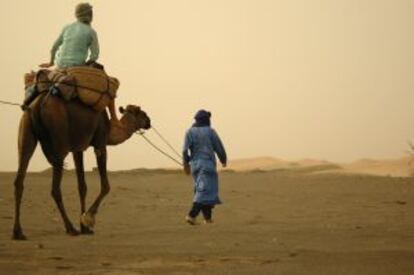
(46, 65)
(187, 169)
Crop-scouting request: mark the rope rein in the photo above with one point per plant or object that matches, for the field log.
(166, 142)
(159, 149)
(9, 103)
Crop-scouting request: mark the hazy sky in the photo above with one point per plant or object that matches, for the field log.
(328, 79)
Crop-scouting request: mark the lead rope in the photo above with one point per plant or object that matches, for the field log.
(10, 103)
(141, 133)
(166, 142)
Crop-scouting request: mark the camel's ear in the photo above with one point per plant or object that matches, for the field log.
(121, 110)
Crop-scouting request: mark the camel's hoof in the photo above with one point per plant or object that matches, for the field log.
(88, 220)
(86, 230)
(18, 236)
(72, 232)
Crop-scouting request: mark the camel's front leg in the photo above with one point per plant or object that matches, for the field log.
(82, 188)
(57, 196)
(27, 145)
(88, 219)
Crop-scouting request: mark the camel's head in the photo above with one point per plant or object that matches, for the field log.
(134, 113)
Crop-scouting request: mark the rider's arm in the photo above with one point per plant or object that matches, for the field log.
(55, 47)
(94, 47)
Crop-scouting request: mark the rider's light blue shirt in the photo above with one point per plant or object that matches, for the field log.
(73, 45)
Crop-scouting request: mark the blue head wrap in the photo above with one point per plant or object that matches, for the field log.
(202, 118)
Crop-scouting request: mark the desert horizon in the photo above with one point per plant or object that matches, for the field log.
(395, 167)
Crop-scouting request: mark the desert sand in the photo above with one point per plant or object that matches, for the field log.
(286, 221)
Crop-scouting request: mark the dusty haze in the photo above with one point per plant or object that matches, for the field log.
(292, 79)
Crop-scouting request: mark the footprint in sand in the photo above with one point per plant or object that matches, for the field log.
(198, 261)
(56, 258)
(64, 267)
(248, 260)
(123, 188)
(264, 262)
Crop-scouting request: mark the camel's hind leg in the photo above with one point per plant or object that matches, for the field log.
(26, 146)
(82, 188)
(88, 219)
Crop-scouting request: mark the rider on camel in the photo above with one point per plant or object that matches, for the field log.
(72, 46)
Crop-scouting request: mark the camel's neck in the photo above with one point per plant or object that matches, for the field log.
(119, 134)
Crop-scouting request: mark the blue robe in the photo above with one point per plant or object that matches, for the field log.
(200, 146)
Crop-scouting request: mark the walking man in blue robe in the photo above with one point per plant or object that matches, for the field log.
(201, 145)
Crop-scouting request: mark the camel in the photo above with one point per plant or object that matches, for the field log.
(62, 127)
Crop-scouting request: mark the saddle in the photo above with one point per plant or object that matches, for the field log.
(90, 85)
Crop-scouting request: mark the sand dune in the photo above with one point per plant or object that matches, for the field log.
(270, 163)
(401, 167)
(261, 163)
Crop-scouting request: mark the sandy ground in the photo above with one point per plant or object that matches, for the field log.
(278, 222)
